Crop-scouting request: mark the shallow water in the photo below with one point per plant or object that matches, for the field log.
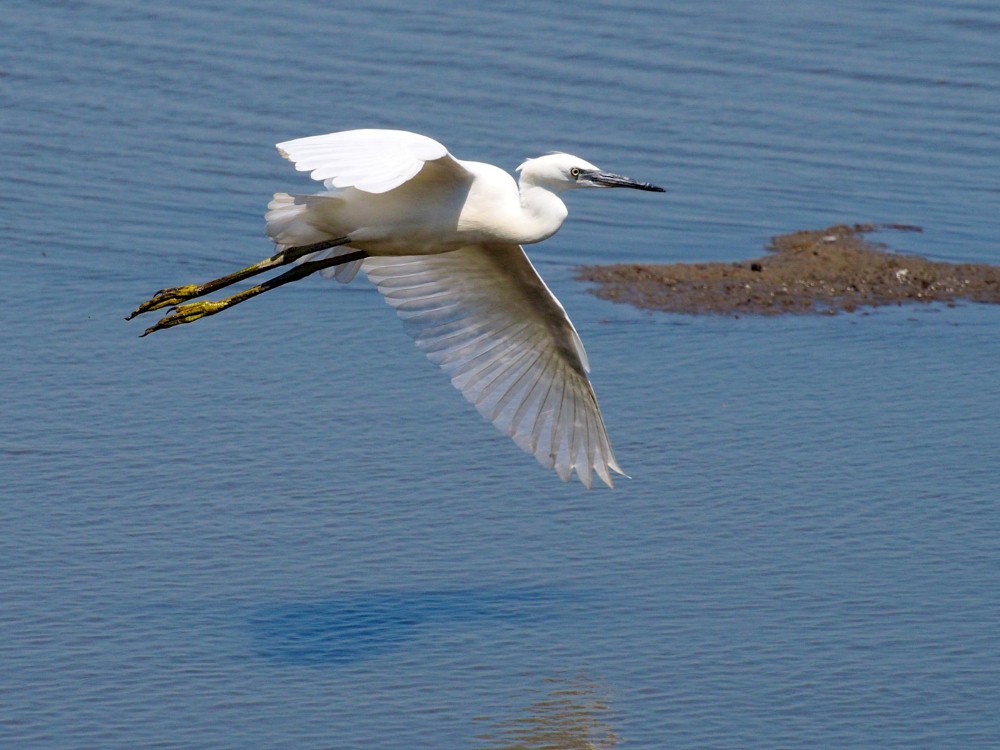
(283, 528)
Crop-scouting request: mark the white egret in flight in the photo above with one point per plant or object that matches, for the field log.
(441, 239)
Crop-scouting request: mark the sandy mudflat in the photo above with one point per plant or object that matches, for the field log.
(824, 271)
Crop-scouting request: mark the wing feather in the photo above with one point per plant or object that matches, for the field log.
(484, 315)
(374, 161)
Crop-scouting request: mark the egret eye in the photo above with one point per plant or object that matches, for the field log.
(575, 171)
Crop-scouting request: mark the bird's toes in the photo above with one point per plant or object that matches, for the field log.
(186, 314)
(166, 298)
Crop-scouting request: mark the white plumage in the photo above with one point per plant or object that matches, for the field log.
(443, 244)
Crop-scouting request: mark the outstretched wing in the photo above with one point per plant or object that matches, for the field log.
(375, 161)
(486, 317)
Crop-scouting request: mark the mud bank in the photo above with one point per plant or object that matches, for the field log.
(826, 271)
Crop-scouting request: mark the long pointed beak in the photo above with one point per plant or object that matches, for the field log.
(612, 180)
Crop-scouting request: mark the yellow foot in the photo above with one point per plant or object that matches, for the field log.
(187, 314)
(167, 298)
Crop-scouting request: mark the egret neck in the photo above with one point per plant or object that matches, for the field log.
(543, 212)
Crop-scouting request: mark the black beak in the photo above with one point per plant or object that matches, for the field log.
(612, 180)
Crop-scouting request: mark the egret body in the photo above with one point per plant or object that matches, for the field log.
(441, 239)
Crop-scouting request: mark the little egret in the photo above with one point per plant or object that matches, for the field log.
(441, 239)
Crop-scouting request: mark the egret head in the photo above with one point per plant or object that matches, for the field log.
(558, 172)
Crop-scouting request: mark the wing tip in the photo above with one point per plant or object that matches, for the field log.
(601, 468)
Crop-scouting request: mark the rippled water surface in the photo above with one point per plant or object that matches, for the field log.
(283, 528)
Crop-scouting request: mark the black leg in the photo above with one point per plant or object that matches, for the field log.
(195, 310)
(177, 295)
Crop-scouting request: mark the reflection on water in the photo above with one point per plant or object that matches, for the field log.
(365, 625)
(569, 717)
(568, 713)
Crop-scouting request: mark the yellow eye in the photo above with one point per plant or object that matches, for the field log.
(575, 171)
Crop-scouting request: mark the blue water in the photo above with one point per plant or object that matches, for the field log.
(283, 528)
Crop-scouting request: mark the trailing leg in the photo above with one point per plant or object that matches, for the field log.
(177, 295)
(193, 311)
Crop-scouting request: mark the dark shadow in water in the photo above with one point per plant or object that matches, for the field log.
(363, 625)
(570, 715)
